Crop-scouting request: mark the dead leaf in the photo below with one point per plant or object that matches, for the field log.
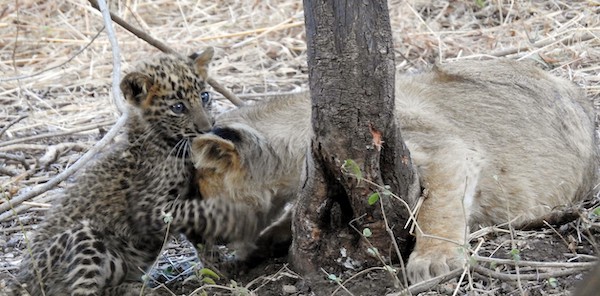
(377, 137)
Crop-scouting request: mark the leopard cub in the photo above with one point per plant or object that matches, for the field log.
(109, 226)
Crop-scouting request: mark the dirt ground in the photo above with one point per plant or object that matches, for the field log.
(56, 66)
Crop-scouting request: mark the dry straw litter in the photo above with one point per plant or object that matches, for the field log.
(56, 65)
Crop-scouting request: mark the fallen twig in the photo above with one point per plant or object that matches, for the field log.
(16, 229)
(284, 271)
(524, 263)
(428, 284)
(8, 172)
(26, 206)
(6, 127)
(58, 134)
(553, 218)
(540, 44)
(527, 276)
(16, 158)
(572, 268)
(340, 285)
(11, 203)
(360, 273)
(55, 151)
(33, 147)
(225, 92)
(260, 31)
(166, 49)
(135, 31)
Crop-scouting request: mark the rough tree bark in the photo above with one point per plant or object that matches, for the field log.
(351, 73)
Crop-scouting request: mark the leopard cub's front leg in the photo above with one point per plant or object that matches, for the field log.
(217, 220)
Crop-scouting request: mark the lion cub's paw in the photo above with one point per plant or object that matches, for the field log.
(424, 265)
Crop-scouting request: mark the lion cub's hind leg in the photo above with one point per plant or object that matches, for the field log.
(450, 176)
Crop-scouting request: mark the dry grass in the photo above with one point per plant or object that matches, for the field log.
(55, 73)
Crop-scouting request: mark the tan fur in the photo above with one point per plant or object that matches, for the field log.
(492, 142)
(213, 175)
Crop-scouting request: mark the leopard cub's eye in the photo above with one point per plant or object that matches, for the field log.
(178, 108)
(205, 96)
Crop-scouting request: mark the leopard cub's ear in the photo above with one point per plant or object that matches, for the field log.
(135, 87)
(210, 151)
(202, 60)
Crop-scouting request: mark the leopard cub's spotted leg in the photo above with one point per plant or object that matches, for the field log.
(83, 260)
(219, 220)
(134, 289)
(92, 267)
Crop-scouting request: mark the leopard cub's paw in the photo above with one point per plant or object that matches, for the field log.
(424, 265)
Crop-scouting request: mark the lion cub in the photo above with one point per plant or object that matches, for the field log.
(254, 155)
(491, 142)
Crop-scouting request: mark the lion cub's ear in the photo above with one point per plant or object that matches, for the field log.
(135, 87)
(201, 61)
(213, 152)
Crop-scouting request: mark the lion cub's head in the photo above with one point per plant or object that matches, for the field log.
(235, 162)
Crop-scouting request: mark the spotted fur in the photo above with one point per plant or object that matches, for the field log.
(110, 224)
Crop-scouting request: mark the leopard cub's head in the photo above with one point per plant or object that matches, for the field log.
(170, 94)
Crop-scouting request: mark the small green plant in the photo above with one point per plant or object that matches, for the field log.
(390, 269)
(515, 254)
(480, 3)
(351, 167)
(373, 198)
(553, 282)
(373, 251)
(238, 290)
(333, 278)
(207, 276)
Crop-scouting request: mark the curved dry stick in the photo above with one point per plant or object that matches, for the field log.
(8, 125)
(428, 284)
(11, 203)
(57, 134)
(561, 217)
(166, 49)
(525, 276)
(225, 92)
(135, 31)
(24, 207)
(16, 158)
(536, 264)
(540, 44)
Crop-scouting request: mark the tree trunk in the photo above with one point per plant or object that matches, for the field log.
(351, 73)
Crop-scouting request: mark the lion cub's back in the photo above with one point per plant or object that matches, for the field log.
(532, 133)
(284, 120)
